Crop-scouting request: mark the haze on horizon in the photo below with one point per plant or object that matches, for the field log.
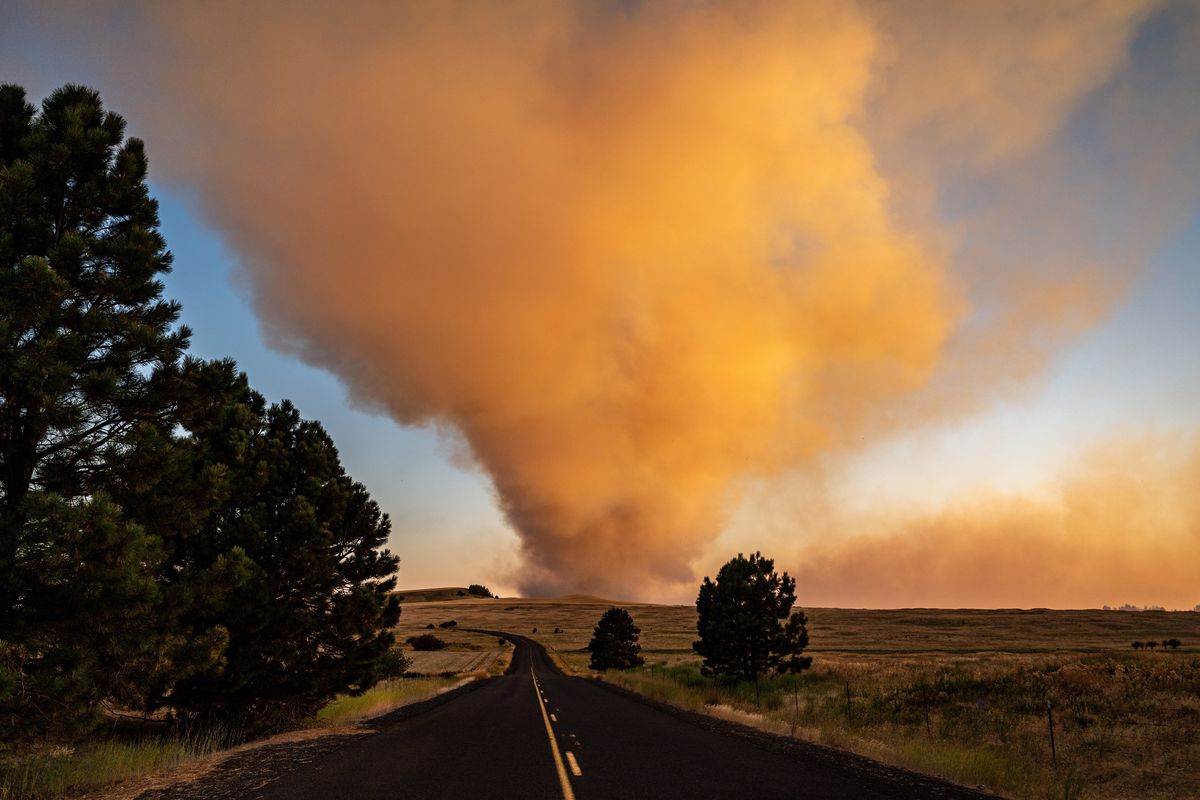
(904, 298)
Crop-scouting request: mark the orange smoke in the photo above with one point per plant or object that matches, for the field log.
(633, 254)
(1124, 528)
(632, 257)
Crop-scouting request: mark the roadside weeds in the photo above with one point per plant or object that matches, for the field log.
(122, 770)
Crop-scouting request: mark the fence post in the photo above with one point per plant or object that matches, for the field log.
(796, 699)
(848, 714)
(1050, 722)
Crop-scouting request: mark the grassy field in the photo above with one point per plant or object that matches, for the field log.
(960, 694)
(466, 653)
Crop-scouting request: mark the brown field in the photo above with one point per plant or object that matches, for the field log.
(466, 653)
(959, 693)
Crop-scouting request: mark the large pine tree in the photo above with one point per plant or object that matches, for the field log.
(88, 352)
(166, 540)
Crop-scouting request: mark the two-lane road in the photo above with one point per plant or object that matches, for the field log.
(535, 733)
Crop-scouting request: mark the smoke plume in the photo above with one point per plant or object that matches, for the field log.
(631, 257)
(633, 254)
(1121, 527)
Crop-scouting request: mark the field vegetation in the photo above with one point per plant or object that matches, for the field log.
(956, 693)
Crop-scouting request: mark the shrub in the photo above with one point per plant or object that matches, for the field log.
(448, 624)
(1138, 645)
(479, 590)
(1172, 643)
(425, 642)
(394, 663)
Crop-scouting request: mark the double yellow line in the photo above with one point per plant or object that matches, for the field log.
(563, 780)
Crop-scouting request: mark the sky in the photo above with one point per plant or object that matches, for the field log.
(594, 296)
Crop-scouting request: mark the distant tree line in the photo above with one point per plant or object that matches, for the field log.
(168, 540)
(1173, 644)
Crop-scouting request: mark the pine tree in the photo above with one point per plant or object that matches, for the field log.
(89, 352)
(614, 643)
(741, 621)
(171, 482)
(313, 616)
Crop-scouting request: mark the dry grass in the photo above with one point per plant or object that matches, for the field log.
(960, 694)
(466, 653)
(70, 771)
(380, 699)
(123, 767)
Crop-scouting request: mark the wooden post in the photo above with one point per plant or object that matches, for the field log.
(848, 701)
(796, 703)
(1050, 722)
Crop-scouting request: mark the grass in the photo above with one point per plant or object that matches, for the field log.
(1126, 725)
(68, 772)
(956, 693)
(381, 699)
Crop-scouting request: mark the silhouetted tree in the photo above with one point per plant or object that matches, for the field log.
(312, 616)
(479, 590)
(745, 621)
(165, 539)
(89, 352)
(1172, 643)
(614, 643)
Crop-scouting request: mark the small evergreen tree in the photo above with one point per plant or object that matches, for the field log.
(745, 621)
(479, 590)
(614, 643)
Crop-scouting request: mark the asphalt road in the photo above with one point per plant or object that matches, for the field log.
(535, 734)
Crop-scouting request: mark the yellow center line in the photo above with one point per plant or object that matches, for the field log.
(575, 770)
(563, 780)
